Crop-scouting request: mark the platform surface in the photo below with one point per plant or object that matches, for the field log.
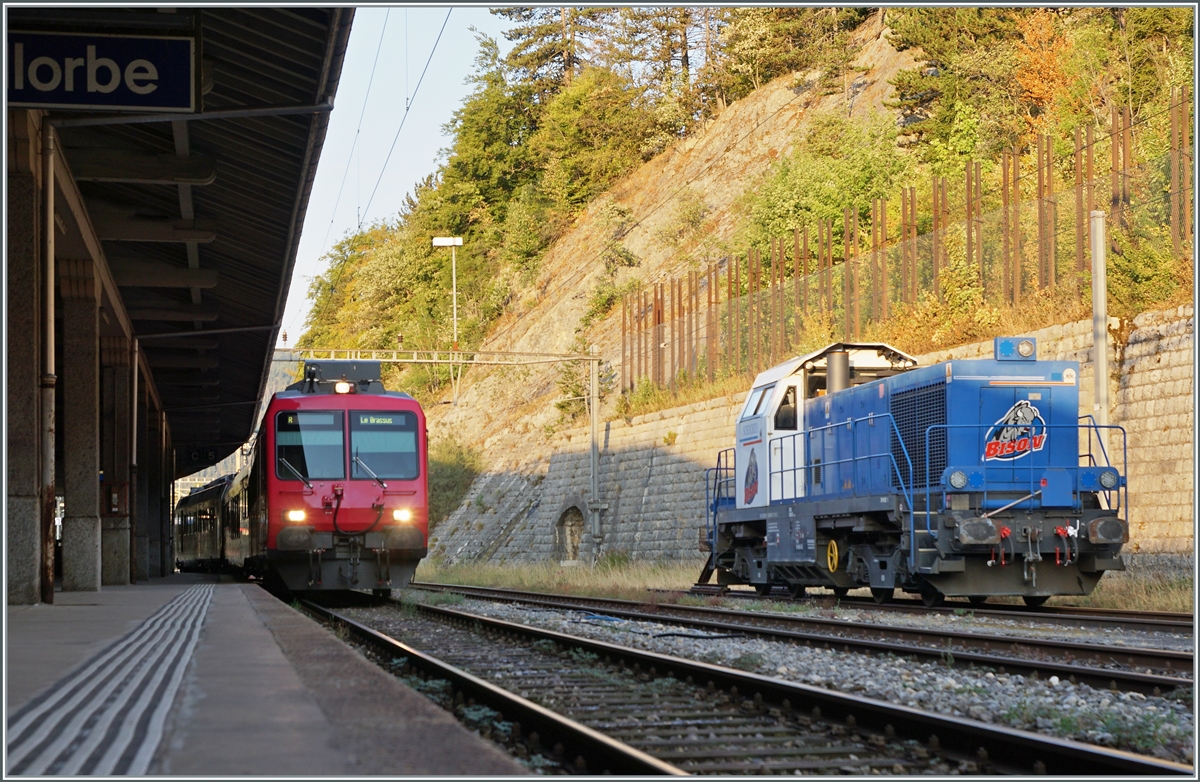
(196, 675)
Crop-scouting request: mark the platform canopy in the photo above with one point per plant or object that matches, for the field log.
(198, 210)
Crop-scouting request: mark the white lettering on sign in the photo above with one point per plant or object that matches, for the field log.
(35, 73)
(93, 67)
(103, 74)
(141, 70)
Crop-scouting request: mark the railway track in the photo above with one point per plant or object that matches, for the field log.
(1098, 665)
(603, 707)
(1070, 616)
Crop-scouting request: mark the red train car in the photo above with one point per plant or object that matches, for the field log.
(335, 495)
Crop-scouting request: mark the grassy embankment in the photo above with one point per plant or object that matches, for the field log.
(616, 576)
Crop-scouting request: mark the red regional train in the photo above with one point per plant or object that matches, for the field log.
(334, 495)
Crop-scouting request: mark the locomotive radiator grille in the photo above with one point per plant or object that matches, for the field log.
(914, 411)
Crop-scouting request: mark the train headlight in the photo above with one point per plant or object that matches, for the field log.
(958, 479)
(1025, 348)
(402, 514)
(295, 515)
(342, 387)
(1108, 479)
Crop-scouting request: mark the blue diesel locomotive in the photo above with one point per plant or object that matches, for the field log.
(855, 468)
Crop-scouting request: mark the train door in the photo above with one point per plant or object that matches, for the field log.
(786, 444)
(751, 453)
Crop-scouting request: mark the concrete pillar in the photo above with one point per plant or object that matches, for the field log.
(80, 378)
(146, 457)
(166, 539)
(115, 457)
(23, 355)
(156, 489)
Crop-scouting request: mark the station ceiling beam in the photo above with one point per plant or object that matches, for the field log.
(179, 313)
(114, 226)
(176, 361)
(136, 272)
(120, 165)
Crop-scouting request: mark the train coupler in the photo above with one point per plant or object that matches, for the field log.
(314, 574)
(383, 566)
(353, 562)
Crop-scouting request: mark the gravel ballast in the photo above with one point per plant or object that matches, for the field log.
(1159, 726)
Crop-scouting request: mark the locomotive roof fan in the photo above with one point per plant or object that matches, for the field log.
(339, 377)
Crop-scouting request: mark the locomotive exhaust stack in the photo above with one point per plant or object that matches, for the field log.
(927, 479)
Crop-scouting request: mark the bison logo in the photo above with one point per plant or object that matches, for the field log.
(751, 479)
(1021, 431)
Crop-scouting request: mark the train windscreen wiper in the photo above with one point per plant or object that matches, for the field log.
(358, 460)
(299, 474)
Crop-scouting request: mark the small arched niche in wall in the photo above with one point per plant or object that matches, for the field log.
(567, 535)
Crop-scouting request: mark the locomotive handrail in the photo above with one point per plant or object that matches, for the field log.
(1103, 451)
(713, 489)
(853, 425)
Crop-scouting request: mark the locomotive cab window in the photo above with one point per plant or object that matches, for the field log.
(309, 446)
(757, 401)
(383, 443)
(785, 416)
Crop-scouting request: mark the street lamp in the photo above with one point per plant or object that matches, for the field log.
(452, 242)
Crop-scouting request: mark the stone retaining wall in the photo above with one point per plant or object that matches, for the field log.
(652, 467)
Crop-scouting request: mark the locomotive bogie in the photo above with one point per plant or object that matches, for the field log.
(968, 478)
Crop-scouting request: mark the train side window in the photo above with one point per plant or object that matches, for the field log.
(785, 416)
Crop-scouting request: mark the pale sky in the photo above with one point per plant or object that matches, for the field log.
(405, 49)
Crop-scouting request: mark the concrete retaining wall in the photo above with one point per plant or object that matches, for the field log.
(652, 467)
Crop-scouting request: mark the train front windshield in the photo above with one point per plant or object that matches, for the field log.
(383, 443)
(309, 446)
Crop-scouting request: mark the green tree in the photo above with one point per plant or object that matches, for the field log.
(550, 44)
(839, 163)
(591, 133)
(490, 132)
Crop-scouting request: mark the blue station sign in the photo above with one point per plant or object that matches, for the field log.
(101, 72)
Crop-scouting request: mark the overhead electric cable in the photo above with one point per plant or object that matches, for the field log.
(416, 89)
(361, 114)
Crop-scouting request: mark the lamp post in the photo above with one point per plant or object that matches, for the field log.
(452, 242)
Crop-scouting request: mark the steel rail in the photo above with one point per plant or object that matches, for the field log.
(465, 357)
(1010, 750)
(1076, 616)
(885, 639)
(607, 754)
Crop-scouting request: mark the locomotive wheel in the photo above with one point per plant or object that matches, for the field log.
(1035, 601)
(931, 597)
(841, 591)
(881, 595)
(763, 589)
(977, 600)
(381, 592)
(796, 590)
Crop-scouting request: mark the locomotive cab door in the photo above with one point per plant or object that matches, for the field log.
(751, 450)
(786, 443)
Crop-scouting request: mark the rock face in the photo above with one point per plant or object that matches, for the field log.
(504, 411)
(532, 504)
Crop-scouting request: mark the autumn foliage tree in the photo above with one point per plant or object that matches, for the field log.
(1041, 54)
